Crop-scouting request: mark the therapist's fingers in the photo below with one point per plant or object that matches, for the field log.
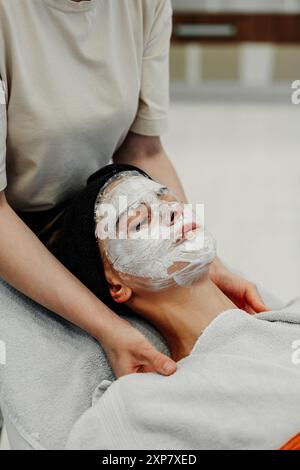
(253, 299)
(158, 362)
(131, 352)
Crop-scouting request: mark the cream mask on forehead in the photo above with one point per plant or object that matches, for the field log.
(153, 255)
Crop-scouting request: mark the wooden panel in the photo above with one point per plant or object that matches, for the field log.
(197, 27)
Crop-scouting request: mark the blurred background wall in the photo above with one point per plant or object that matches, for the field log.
(234, 134)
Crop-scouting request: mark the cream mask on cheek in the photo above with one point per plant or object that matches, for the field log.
(153, 258)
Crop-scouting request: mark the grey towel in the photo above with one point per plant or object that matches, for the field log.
(238, 389)
(52, 369)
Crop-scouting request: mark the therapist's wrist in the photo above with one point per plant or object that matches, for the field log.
(109, 324)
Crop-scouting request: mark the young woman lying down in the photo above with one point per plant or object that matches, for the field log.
(238, 379)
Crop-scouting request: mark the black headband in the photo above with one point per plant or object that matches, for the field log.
(77, 247)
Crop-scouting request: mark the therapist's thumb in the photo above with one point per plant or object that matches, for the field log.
(254, 299)
(161, 364)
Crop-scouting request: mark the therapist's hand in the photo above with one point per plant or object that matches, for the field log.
(129, 351)
(241, 292)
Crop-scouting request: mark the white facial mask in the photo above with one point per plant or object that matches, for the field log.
(156, 262)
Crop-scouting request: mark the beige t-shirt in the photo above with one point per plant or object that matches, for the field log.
(75, 78)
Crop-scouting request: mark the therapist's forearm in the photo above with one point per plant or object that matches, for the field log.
(148, 154)
(27, 265)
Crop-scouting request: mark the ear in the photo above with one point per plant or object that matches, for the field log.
(118, 290)
(120, 293)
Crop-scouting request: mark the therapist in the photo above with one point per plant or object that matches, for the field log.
(81, 81)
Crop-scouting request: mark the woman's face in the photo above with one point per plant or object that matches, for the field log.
(147, 234)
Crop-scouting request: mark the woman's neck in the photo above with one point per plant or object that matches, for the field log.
(182, 314)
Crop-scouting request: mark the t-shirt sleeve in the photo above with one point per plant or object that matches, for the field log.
(152, 115)
(3, 132)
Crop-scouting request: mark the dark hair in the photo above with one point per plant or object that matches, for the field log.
(77, 246)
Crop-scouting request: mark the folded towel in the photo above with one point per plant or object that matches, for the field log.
(238, 389)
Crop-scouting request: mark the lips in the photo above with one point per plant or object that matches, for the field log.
(189, 227)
